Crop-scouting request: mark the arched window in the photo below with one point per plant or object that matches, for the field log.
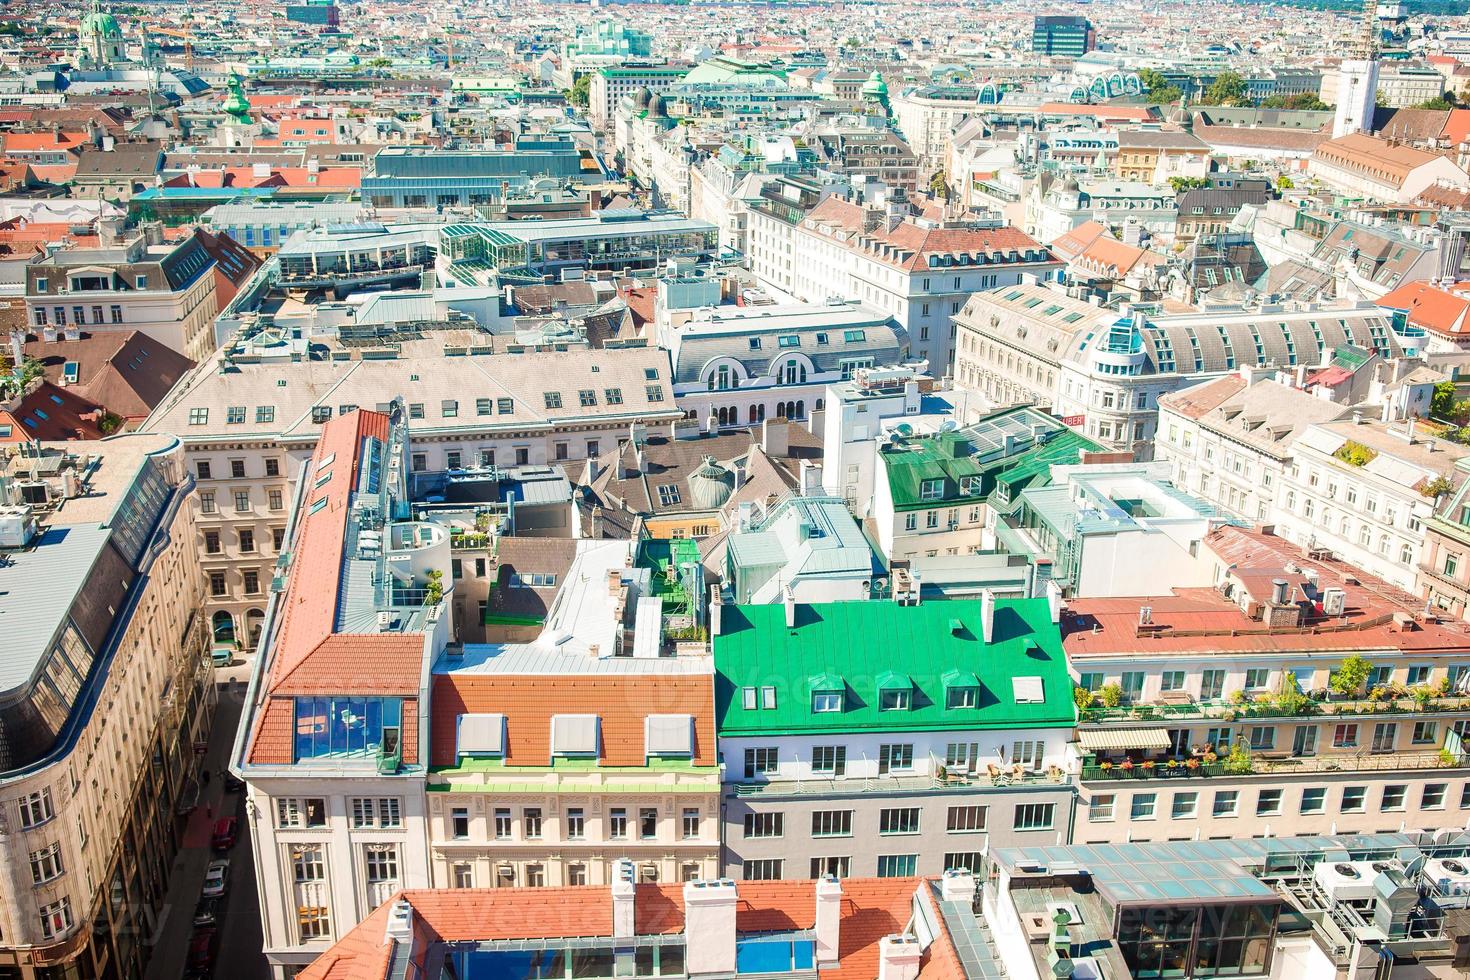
(794, 373)
(224, 627)
(254, 622)
(801, 409)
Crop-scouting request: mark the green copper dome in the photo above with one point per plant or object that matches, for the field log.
(99, 23)
(237, 104)
(875, 87)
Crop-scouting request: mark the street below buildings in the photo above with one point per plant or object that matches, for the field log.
(238, 938)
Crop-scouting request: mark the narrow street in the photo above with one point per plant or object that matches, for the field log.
(238, 955)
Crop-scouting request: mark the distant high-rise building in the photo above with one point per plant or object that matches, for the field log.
(321, 13)
(1064, 36)
(1357, 84)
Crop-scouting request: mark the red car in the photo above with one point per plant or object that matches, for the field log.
(226, 832)
(201, 951)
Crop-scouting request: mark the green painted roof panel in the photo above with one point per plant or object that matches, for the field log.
(864, 641)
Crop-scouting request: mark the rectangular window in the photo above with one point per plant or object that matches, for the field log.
(1425, 732)
(829, 760)
(1433, 797)
(895, 758)
(56, 919)
(966, 819)
(839, 866)
(1314, 799)
(648, 823)
(763, 824)
(308, 862)
(1035, 816)
(1268, 803)
(897, 865)
(898, 820)
(1344, 736)
(1145, 806)
(1227, 803)
(617, 824)
(576, 823)
(46, 863)
(765, 869)
(831, 823)
(1186, 806)
(689, 827)
(531, 823)
(760, 761)
(296, 812)
(1354, 798)
(1393, 796)
(459, 823)
(502, 823)
(1101, 809)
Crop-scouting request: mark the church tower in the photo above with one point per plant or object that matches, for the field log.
(1357, 79)
(100, 42)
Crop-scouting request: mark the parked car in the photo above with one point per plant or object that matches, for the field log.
(206, 913)
(216, 878)
(226, 832)
(201, 952)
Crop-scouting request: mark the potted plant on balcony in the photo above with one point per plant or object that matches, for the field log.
(1238, 762)
(1172, 764)
(1126, 765)
(1350, 676)
(1422, 695)
(1105, 766)
(1209, 758)
(1148, 766)
(1111, 695)
(1193, 764)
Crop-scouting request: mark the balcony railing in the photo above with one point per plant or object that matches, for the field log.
(858, 785)
(1273, 763)
(343, 276)
(1227, 711)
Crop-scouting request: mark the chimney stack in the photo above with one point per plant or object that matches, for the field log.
(400, 924)
(623, 891)
(788, 598)
(716, 607)
(987, 615)
(898, 958)
(1054, 600)
(775, 440)
(829, 918)
(709, 927)
(958, 885)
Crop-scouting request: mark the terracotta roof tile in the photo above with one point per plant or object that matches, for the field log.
(871, 909)
(272, 745)
(528, 702)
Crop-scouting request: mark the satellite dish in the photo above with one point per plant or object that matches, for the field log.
(948, 425)
(904, 429)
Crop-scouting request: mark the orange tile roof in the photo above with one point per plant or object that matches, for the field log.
(1456, 127)
(308, 656)
(1438, 310)
(47, 140)
(871, 909)
(528, 702)
(1375, 157)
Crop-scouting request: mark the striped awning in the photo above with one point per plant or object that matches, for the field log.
(1094, 739)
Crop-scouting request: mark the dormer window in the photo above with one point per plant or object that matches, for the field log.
(895, 692)
(828, 693)
(961, 689)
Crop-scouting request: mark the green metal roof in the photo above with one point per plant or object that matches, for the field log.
(951, 456)
(865, 641)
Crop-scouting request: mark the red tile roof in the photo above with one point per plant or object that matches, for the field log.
(1438, 310)
(1201, 621)
(51, 413)
(528, 702)
(871, 909)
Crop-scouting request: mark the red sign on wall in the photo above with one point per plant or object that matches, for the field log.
(1075, 421)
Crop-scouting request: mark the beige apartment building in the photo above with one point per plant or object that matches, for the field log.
(1226, 712)
(530, 790)
(107, 688)
(249, 418)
